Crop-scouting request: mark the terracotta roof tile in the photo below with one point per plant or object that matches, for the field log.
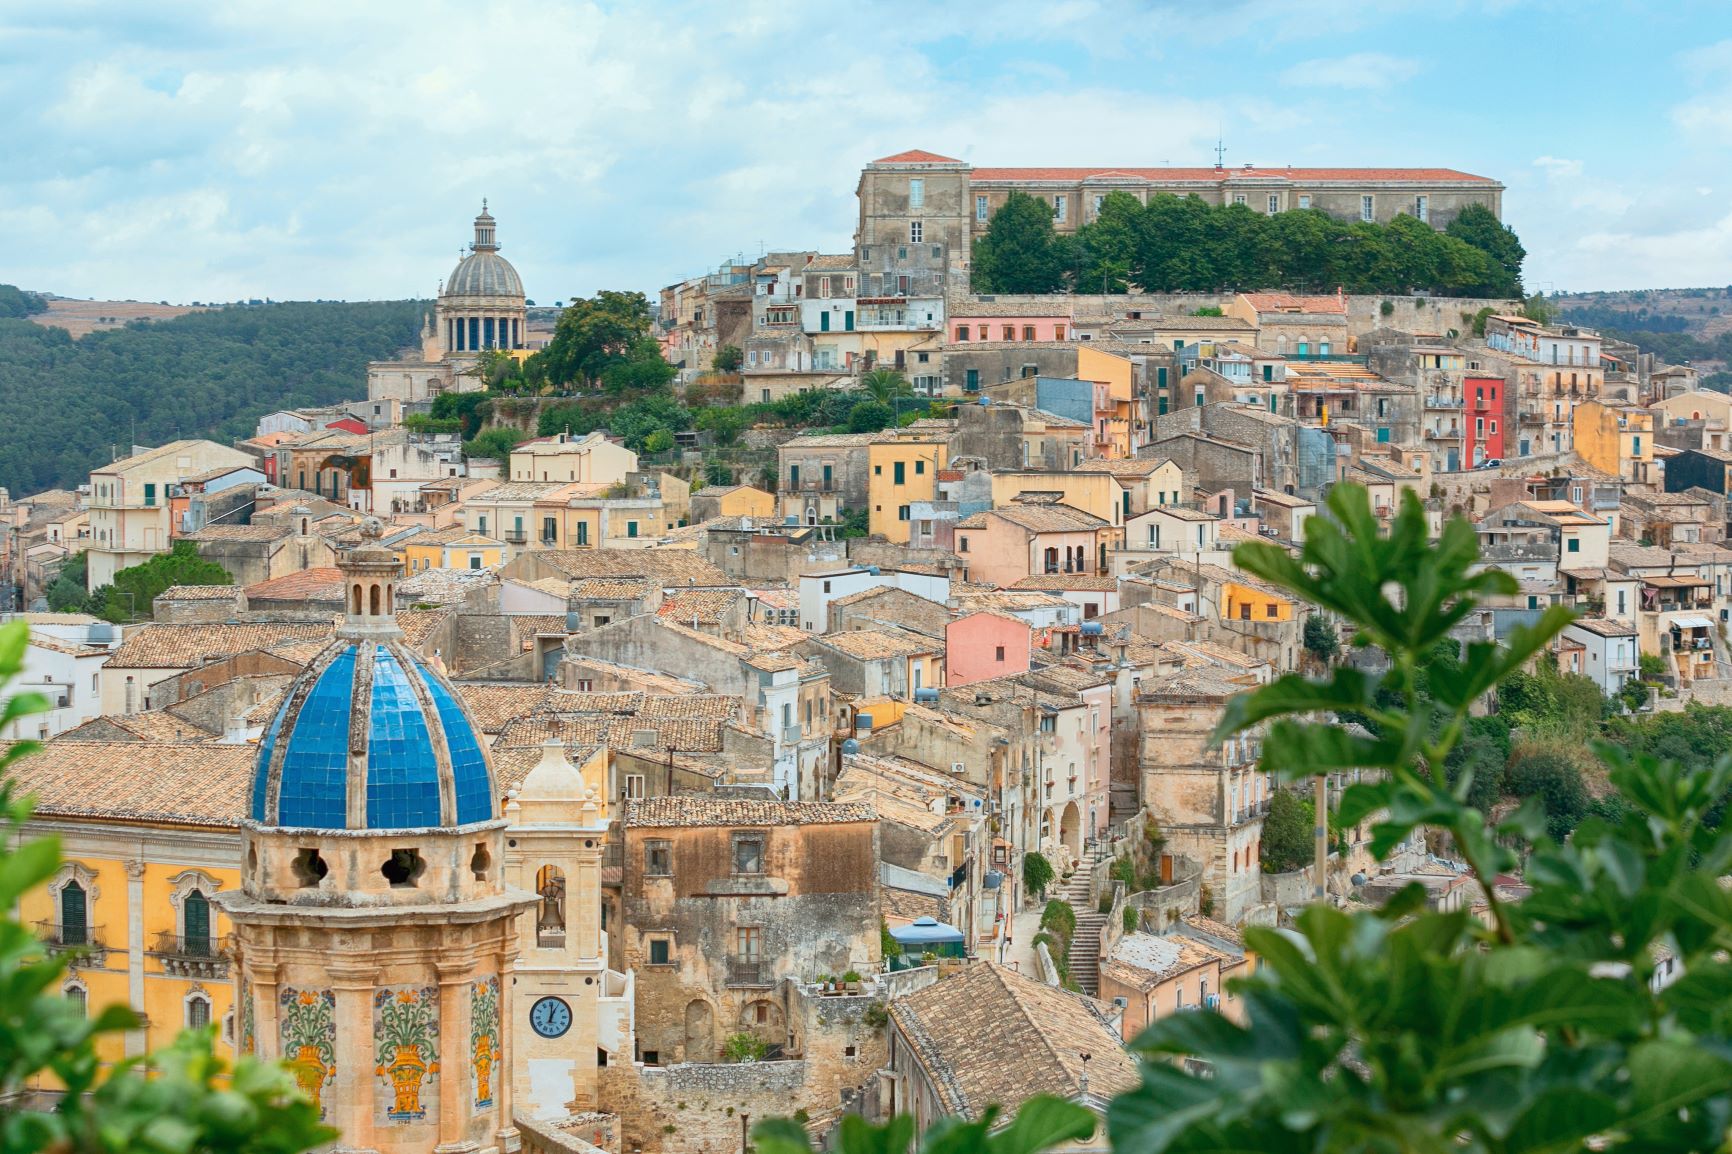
(1215, 175)
(160, 645)
(321, 584)
(963, 1028)
(494, 705)
(198, 593)
(917, 156)
(200, 783)
(704, 606)
(699, 810)
(416, 624)
(878, 644)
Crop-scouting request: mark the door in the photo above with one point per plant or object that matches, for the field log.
(848, 321)
(824, 321)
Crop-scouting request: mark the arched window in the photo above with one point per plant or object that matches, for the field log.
(74, 915)
(355, 601)
(195, 924)
(197, 1012)
(79, 998)
(373, 600)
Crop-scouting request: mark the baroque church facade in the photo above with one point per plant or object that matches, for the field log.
(428, 962)
(481, 307)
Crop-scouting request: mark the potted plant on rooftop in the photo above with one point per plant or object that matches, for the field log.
(852, 979)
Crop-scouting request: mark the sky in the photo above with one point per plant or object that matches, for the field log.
(194, 151)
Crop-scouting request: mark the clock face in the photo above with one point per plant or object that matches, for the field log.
(550, 1017)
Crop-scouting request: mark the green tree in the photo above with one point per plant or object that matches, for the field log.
(1321, 639)
(658, 441)
(724, 422)
(1107, 245)
(744, 1047)
(189, 1102)
(16, 303)
(496, 441)
(134, 589)
(642, 369)
(728, 359)
(1019, 253)
(66, 593)
(1289, 833)
(1551, 774)
(594, 333)
(885, 385)
(471, 409)
(870, 417)
(1480, 227)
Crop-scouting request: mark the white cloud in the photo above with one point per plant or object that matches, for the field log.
(1360, 70)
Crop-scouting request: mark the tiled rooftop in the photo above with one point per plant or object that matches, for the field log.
(161, 783)
(160, 645)
(666, 812)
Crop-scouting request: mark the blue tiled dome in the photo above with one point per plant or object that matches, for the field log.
(410, 760)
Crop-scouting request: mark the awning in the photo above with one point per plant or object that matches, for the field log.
(1692, 623)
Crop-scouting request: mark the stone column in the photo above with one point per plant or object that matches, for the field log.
(509, 1139)
(455, 1091)
(135, 1039)
(267, 1042)
(351, 1095)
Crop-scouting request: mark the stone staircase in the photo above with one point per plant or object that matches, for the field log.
(1084, 959)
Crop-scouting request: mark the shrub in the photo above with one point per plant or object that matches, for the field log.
(1132, 918)
(851, 976)
(1037, 872)
(1289, 833)
(1059, 918)
(744, 1047)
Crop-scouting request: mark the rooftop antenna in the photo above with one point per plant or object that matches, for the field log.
(1220, 147)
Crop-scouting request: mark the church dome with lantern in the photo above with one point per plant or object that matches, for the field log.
(481, 305)
(369, 736)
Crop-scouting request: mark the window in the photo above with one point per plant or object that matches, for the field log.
(1009, 333)
(961, 332)
(1238, 198)
(980, 208)
(1422, 207)
(634, 786)
(74, 915)
(749, 854)
(1058, 206)
(1575, 545)
(998, 653)
(1271, 611)
(919, 468)
(195, 924)
(916, 193)
(1366, 208)
(915, 231)
(583, 532)
(1274, 204)
(1028, 332)
(631, 528)
(197, 1012)
(1304, 200)
(79, 999)
(900, 471)
(660, 954)
(658, 858)
(1058, 332)
(149, 494)
(902, 512)
(475, 560)
(749, 946)
(962, 544)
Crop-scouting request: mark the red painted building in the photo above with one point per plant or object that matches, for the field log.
(1483, 439)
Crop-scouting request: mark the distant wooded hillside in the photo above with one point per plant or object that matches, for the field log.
(65, 405)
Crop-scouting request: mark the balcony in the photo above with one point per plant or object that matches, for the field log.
(515, 536)
(791, 735)
(1443, 402)
(199, 956)
(83, 942)
(749, 971)
(1443, 434)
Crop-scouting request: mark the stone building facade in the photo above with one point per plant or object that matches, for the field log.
(726, 900)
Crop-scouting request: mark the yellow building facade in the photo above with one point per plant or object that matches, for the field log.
(901, 472)
(1115, 429)
(150, 835)
(1096, 493)
(459, 549)
(1617, 439)
(1253, 603)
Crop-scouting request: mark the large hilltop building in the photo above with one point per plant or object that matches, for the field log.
(481, 307)
(920, 212)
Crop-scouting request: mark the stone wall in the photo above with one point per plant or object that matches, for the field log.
(482, 639)
(700, 1108)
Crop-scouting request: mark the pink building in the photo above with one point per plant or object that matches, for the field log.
(984, 645)
(966, 329)
(1002, 546)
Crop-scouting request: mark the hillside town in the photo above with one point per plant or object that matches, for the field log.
(594, 795)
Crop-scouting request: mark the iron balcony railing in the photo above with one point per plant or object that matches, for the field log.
(748, 971)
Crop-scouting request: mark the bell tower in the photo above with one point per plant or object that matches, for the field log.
(567, 1001)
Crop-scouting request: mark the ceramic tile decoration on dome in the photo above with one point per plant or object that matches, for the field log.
(378, 927)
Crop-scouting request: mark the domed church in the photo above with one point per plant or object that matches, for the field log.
(481, 306)
(376, 930)
(481, 303)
